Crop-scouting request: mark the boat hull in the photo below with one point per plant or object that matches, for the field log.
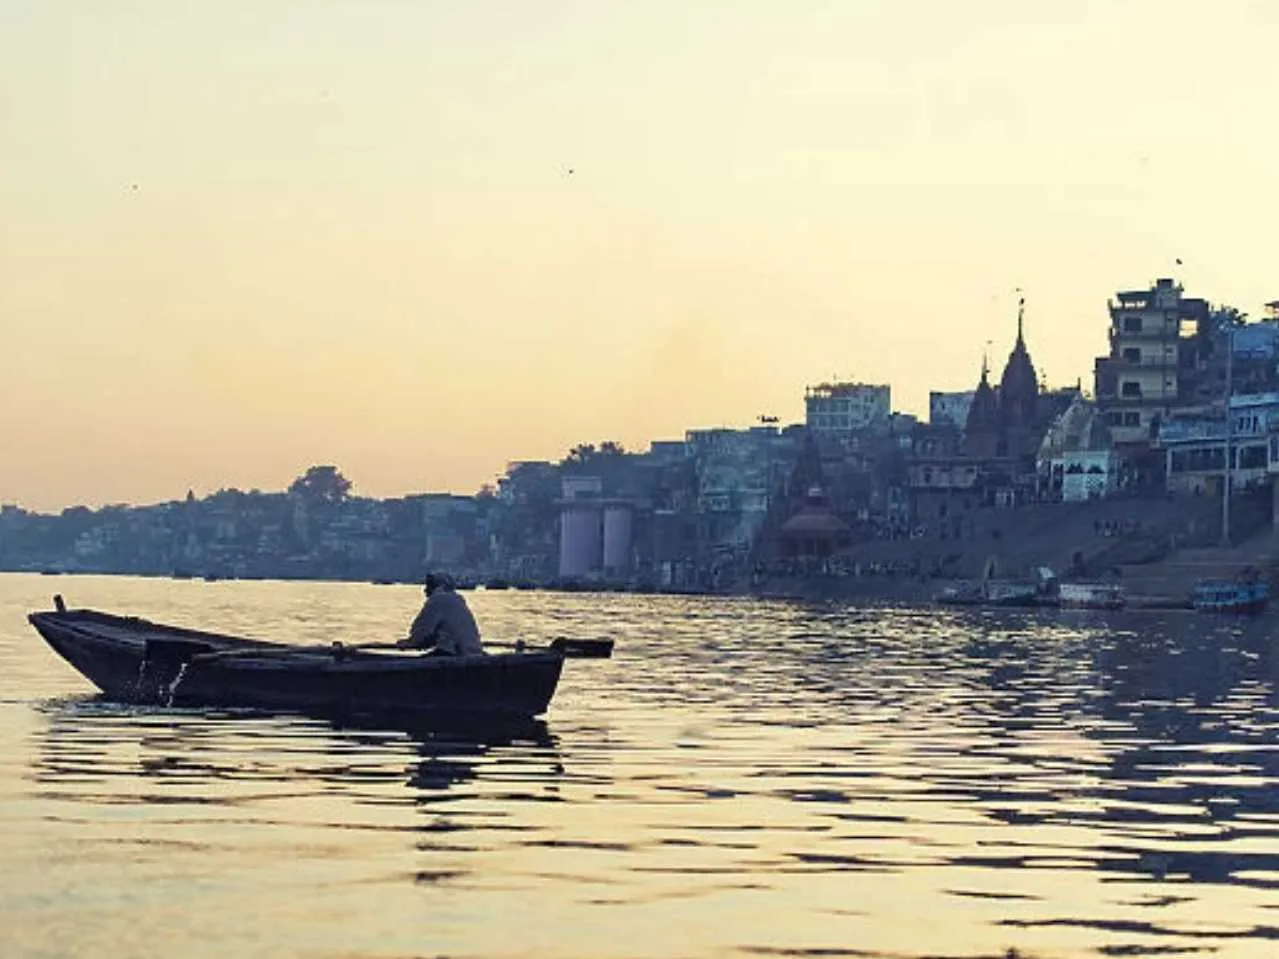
(1240, 598)
(992, 593)
(1090, 596)
(134, 661)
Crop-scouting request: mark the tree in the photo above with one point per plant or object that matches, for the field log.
(321, 484)
(580, 454)
(585, 453)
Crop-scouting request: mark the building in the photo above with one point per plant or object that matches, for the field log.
(949, 409)
(1152, 360)
(1194, 446)
(1077, 460)
(738, 475)
(943, 483)
(993, 460)
(596, 532)
(1008, 422)
(847, 409)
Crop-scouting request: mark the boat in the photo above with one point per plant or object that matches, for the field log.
(1230, 596)
(1091, 596)
(992, 592)
(133, 660)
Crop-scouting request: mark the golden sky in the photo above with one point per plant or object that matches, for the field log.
(419, 239)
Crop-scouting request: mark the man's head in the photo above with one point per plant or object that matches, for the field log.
(436, 581)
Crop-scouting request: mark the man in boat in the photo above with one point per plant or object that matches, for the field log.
(445, 624)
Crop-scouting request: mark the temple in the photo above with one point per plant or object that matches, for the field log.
(991, 460)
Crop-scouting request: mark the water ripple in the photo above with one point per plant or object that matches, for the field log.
(742, 778)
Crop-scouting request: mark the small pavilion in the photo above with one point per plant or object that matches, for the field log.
(814, 531)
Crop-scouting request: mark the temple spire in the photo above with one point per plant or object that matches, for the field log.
(1021, 314)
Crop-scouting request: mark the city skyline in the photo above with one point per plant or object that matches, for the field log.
(420, 241)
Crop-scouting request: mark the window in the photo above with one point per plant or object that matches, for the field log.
(1132, 324)
(1130, 388)
(1132, 355)
(1252, 458)
(1132, 419)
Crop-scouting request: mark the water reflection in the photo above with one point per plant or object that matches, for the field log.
(90, 741)
(1142, 751)
(834, 781)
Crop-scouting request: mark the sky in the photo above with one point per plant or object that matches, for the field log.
(421, 239)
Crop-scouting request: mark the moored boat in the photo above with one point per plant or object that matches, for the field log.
(992, 592)
(1091, 596)
(1231, 596)
(136, 661)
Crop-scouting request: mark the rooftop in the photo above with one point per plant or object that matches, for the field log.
(834, 390)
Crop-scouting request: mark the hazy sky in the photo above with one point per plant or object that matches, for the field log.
(418, 239)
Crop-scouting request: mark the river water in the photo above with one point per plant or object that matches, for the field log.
(741, 779)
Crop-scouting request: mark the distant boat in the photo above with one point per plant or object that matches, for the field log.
(1091, 596)
(1230, 596)
(993, 592)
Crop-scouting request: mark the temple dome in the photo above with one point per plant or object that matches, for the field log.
(1019, 386)
(1020, 382)
(983, 412)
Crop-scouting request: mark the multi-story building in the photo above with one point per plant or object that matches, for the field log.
(844, 410)
(1153, 335)
(1195, 446)
(738, 476)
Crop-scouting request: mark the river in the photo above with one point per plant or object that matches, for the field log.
(743, 778)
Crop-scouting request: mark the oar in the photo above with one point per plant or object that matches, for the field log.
(584, 648)
(571, 648)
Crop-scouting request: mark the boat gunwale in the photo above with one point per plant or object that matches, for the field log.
(247, 653)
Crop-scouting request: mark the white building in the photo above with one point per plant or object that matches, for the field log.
(1076, 459)
(595, 532)
(844, 409)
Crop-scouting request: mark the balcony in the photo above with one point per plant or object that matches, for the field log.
(1192, 431)
(1149, 332)
(1113, 401)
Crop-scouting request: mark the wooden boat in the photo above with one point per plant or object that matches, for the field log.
(1230, 596)
(135, 661)
(1091, 596)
